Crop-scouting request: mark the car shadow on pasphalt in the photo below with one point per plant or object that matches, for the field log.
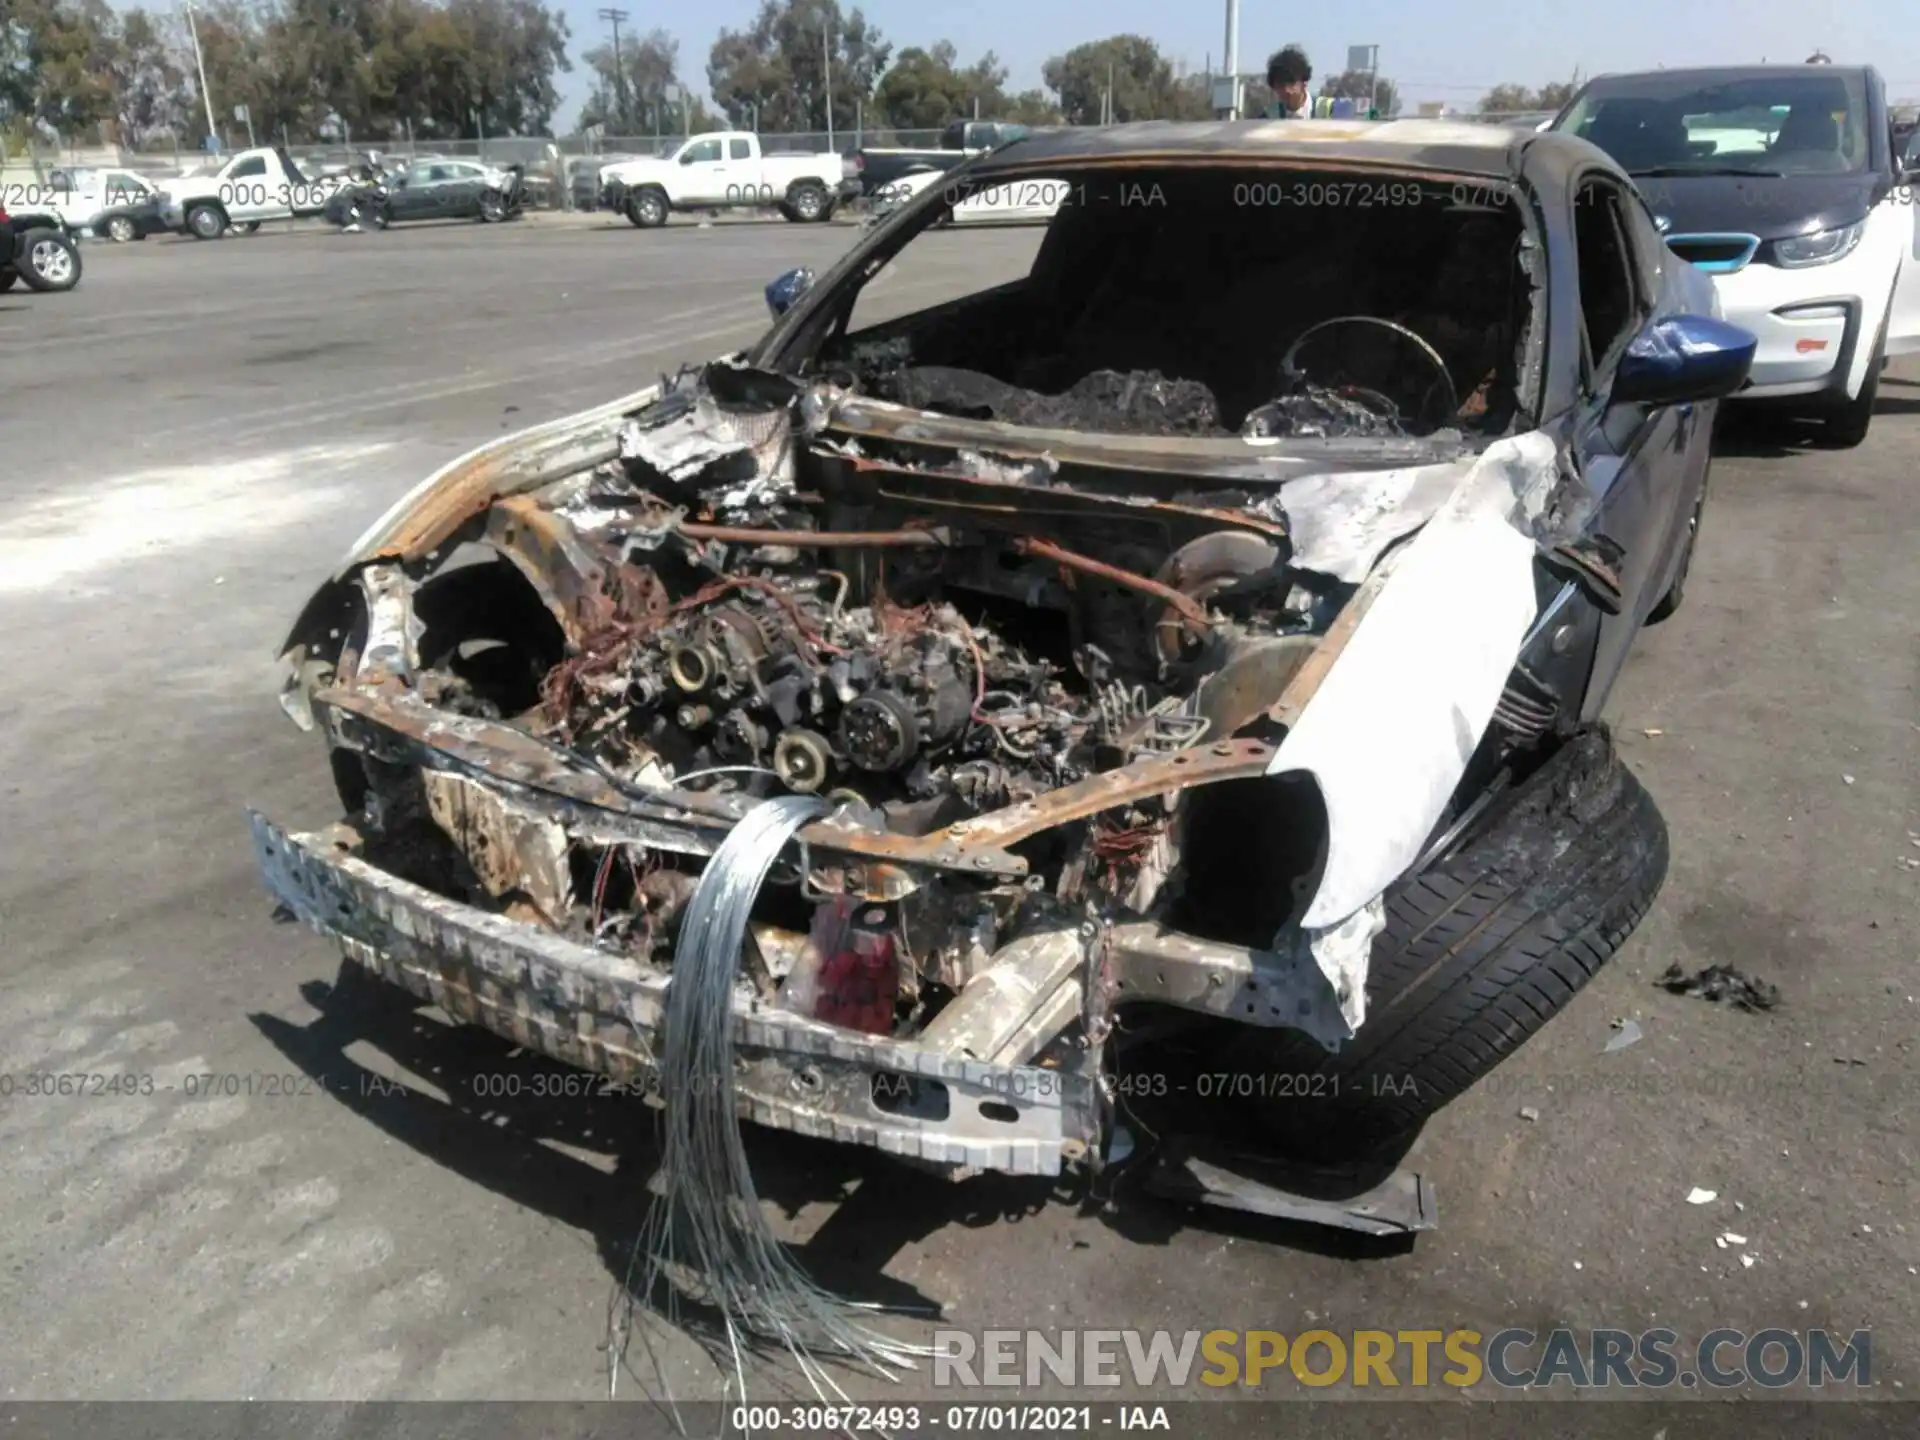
(1759, 432)
(506, 1119)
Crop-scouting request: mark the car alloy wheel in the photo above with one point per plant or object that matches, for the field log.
(120, 230)
(206, 222)
(808, 203)
(651, 209)
(52, 260)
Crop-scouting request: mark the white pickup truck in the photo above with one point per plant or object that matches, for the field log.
(722, 171)
(240, 192)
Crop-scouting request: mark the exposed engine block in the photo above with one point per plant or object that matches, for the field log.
(885, 703)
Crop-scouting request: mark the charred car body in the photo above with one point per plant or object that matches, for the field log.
(1197, 640)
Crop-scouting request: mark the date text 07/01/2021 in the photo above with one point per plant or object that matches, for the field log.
(956, 1419)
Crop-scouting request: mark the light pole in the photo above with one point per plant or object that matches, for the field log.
(200, 65)
(1233, 59)
(619, 71)
(826, 62)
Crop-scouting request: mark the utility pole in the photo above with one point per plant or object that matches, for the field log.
(1233, 58)
(616, 17)
(200, 65)
(826, 59)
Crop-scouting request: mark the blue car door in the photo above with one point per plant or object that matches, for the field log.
(1635, 457)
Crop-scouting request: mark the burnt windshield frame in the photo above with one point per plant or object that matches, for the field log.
(795, 341)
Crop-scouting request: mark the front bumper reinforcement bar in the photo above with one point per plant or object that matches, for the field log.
(602, 1013)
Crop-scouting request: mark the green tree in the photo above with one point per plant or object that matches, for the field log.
(56, 63)
(648, 64)
(1554, 96)
(1033, 107)
(513, 48)
(1519, 100)
(1144, 84)
(366, 69)
(776, 69)
(153, 94)
(923, 89)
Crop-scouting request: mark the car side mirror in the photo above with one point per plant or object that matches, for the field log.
(785, 290)
(1683, 358)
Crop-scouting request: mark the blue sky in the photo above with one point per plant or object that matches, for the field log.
(1452, 52)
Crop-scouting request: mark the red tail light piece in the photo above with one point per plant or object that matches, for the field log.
(859, 981)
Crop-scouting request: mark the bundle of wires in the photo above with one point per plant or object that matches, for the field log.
(705, 1234)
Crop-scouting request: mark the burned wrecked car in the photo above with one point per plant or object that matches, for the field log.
(1182, 625)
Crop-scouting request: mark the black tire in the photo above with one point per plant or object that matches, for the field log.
(48, 260)
(648, 208)
(493, 208)
(248, 227)
(8, 277)
(206, 222)
(1847, 421)
(1480, 950)
(809, 203)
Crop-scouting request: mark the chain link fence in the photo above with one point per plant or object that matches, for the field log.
(559, 170)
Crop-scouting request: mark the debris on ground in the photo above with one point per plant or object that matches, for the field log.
(1651, 734)
(1721, 982)
(1697, 1196)
(1627, 1032)
(1527, 1112)
(1733, 1239)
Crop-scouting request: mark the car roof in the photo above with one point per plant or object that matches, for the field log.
(1460, 147)
(1710, 74)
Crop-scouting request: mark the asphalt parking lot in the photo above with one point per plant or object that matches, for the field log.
(192, 439)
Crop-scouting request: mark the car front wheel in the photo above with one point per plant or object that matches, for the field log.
(120, 230)
(648, 209)
(1849, 420)
(1480, 950)
(207, 222)
(49, 260)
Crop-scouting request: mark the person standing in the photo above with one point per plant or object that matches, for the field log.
(1288, 73)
